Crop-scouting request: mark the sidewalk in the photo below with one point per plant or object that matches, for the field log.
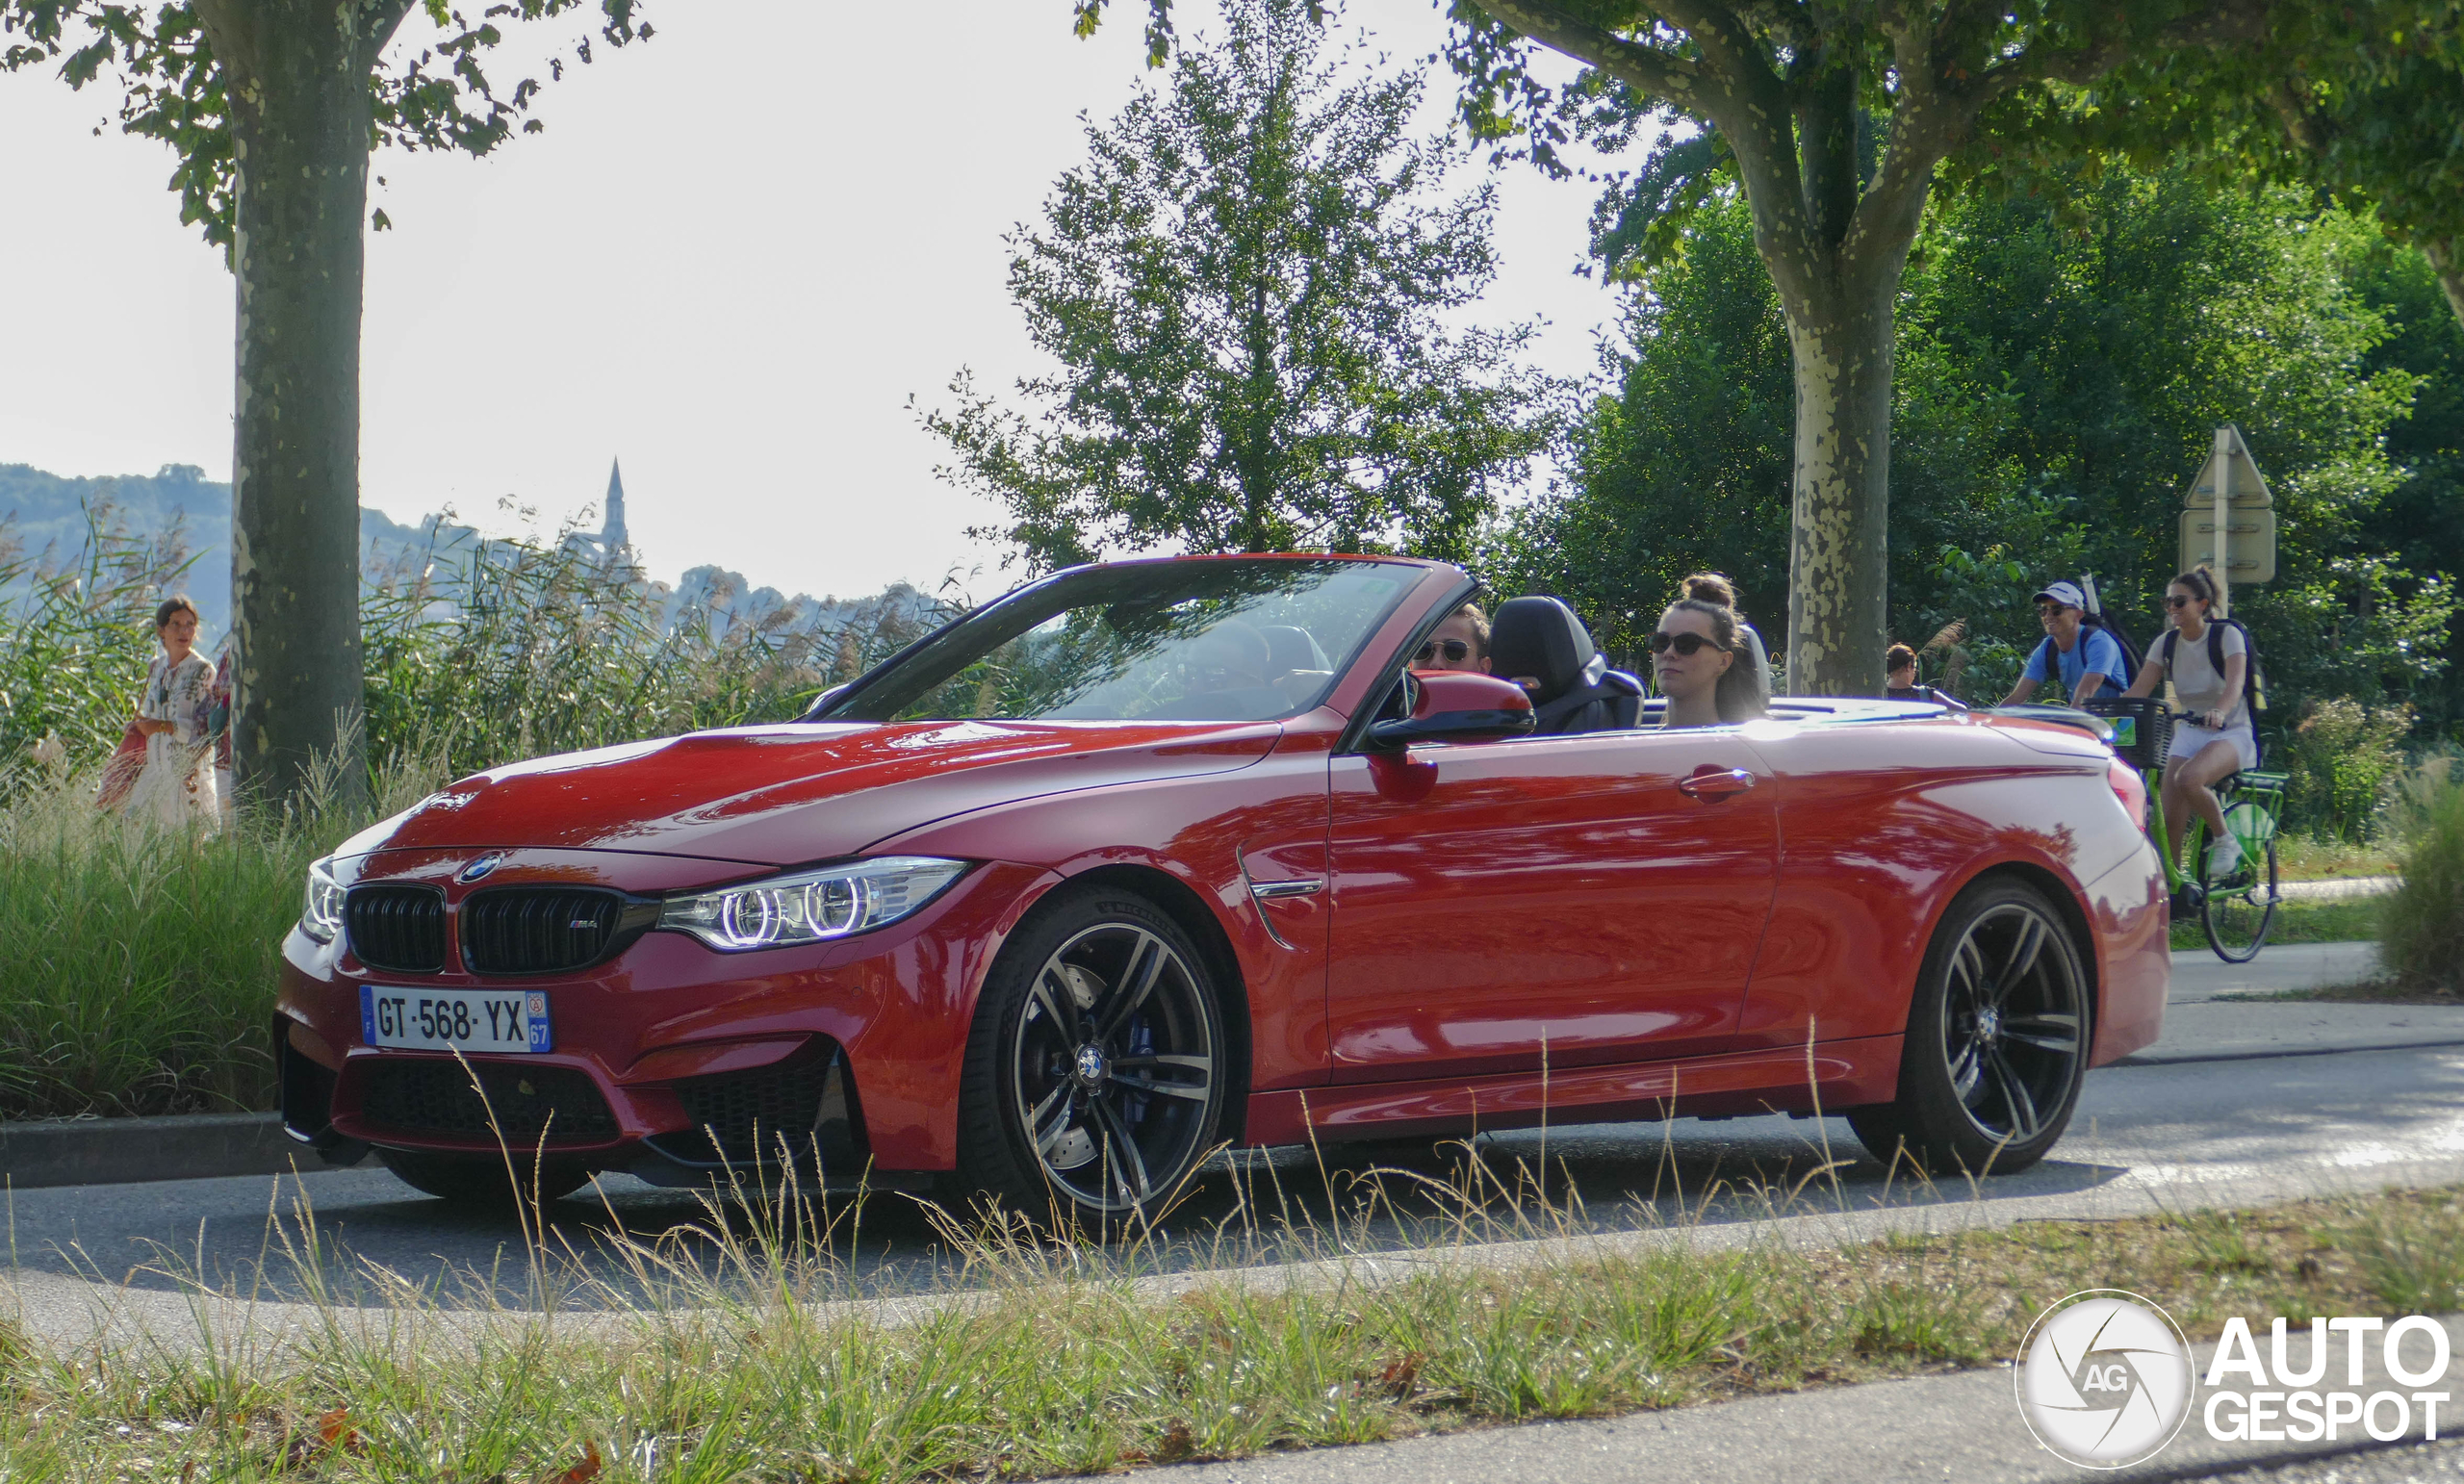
(2198, 1027)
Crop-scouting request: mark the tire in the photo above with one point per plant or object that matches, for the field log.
(1998, 1032)
(2236, 922)
(481, 1180)
(1095, 1070)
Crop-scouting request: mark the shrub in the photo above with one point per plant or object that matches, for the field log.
(2421, 924)
(2343, 761)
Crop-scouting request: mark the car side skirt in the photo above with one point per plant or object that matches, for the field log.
(1829, 1075)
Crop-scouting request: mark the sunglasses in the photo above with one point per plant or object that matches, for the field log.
(2176, 601)
(2050, 610)
(1456, 652)
(1683, 644)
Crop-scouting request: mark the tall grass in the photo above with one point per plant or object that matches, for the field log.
(74, 641)
(2420, 923)
(496, 650)
(137, 964)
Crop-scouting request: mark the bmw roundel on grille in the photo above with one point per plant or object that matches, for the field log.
(478, 869)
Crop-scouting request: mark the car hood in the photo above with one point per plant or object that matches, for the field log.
(789, 794)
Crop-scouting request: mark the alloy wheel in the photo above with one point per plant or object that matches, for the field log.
(1112, 1065)
(2013, 1014)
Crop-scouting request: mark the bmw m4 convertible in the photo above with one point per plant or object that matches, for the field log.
(1150, 858)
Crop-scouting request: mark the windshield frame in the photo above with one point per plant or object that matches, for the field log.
(1411, 575)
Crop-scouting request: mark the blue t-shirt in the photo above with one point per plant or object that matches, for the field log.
(2096, 651)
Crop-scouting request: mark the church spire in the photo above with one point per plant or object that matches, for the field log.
(612, 538)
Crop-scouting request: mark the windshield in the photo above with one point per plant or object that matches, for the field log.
(1216, 641)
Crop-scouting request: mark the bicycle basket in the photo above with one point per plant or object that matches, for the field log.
(2141, 727)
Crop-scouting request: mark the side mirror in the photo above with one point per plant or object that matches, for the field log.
(1456, 705)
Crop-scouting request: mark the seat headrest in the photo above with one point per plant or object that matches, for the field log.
(1291, 648)
(1541, 638)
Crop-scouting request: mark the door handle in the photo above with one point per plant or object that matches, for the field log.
(1715, 782)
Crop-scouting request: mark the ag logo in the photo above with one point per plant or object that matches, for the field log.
(2104, 1379)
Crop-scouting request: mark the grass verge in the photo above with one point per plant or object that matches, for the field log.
(1058, 1364)
(136, 963)
(2347, 920)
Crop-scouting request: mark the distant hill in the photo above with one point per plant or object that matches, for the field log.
(45, 515)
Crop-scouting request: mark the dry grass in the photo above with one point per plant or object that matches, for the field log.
(1055, 1358)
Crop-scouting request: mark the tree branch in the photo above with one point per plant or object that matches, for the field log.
(1671, 79)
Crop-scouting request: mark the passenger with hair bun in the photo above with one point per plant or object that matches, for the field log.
(1701, 661)
(1715, 588)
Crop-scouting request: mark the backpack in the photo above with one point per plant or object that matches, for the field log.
(2052, 652)
(2254, 681)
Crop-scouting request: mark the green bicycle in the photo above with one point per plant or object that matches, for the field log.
(2237, 911)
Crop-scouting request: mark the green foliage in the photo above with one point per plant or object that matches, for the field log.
(438, 95)
(2342, 762)
(1686, 466)
(2421, 924)
(2060, 370)
(1246, 289)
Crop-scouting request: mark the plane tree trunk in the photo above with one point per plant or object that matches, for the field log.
(296, 75)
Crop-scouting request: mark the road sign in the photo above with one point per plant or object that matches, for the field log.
(2250, 487)
(2252, 541)
(2240, 549)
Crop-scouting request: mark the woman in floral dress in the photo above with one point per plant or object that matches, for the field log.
(176, 788)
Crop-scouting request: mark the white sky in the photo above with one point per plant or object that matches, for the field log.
(733, 254)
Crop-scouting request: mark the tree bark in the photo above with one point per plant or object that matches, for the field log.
(296, 75)
(2446, 256)
(1839, 513)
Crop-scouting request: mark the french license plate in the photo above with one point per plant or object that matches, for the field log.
(444, 1019)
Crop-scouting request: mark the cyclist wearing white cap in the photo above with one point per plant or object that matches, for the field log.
(2089, 659)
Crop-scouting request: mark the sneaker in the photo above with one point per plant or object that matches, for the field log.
(2222, 857)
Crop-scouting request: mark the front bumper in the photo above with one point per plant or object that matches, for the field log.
(669, 1056)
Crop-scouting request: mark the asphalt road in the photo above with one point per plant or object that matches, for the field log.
(2239, 1097)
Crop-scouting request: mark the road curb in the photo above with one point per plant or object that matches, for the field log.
(125, 1151)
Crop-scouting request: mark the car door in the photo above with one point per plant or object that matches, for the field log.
(1600, 897)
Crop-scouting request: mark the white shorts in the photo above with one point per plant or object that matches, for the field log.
(2190, 741)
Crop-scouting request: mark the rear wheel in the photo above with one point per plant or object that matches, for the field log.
(483, 1179)
(1998, 1039)
(1095, 1069)
(2237, 910)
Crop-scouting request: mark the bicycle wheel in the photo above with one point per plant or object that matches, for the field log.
(2237, 910)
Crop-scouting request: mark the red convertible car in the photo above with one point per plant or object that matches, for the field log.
(1147, 859)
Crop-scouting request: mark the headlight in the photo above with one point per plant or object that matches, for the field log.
(322, 917)
(811, 906)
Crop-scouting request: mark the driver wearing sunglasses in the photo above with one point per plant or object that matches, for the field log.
(1460, 642)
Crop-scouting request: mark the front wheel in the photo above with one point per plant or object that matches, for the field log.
(1095, 1072)
(1998, 1039)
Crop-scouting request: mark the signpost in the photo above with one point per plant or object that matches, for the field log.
(2234, 535)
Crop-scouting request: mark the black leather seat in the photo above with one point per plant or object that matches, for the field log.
(1539, 639)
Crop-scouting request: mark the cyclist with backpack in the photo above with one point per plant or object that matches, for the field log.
(2208, 660)
(2078, 649)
